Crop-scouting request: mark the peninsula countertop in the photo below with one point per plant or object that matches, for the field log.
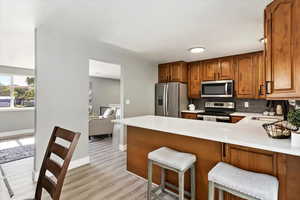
(247, 132)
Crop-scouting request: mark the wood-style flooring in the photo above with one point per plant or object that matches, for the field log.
(104, 178)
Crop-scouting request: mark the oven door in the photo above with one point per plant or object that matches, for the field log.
(214, 118)
(217, 88)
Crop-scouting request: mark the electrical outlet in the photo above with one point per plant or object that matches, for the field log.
(127, 101)
(246, 104)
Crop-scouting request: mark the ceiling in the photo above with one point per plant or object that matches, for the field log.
(104, 70)
(158, 30)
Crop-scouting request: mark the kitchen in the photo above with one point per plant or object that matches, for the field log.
(234, 102)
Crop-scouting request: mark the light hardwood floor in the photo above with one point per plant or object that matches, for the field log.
(104, 178)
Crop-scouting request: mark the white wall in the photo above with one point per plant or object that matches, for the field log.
(105, 91)
(17, 48)
(16, 120)
(62, 85)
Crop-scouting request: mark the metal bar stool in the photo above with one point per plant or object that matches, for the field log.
(241, 183)
(179, 162)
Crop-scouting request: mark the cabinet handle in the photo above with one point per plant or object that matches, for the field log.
(268, 87)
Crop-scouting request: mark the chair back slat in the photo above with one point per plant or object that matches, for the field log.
(53, 167)
(59, 171)
(65, 134)
(49, 185)
(59, 150)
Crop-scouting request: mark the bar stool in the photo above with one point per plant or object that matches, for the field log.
(241, 183)
(169, 159)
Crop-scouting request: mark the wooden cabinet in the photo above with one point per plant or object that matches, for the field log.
(260, 76)
(210, 70)
(284, 167)
(249, 159)
(245, 76)
(189, 115)
(163, 73)
(225, 71)
(172, 72)
(218, 69)
(235, 119)
(282, 33)
(142, 141)
(194, 79)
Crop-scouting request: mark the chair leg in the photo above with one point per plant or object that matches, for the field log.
(181, 185)
(162, 179)
(221, 194)
(149, 180)
(193, 183)
(211, 191)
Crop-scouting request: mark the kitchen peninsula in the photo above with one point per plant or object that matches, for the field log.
(244, 144)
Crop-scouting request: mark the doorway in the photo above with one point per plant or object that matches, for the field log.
(104, 102)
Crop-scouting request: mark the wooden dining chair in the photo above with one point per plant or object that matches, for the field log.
(58, 170)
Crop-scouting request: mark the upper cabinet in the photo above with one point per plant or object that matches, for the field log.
(218, 69)
(260, 76)
(282, 49)
(194, 79)
(225, 71)
(250, 76)
(163, 73)
(210, 70)
(172, 72)
(244, 76)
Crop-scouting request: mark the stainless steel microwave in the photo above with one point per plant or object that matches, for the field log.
(222, 88)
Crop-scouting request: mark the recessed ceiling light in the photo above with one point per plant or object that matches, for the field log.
(197, 50)
(263, 40)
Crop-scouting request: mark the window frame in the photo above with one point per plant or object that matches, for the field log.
(12, 98)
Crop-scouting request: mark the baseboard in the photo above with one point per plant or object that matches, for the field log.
(79, 162)
(16, 132)
(73, 164)
(122, 147)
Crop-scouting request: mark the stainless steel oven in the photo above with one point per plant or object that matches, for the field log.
(222, 88)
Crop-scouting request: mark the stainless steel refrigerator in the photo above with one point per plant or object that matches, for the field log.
(170, 99)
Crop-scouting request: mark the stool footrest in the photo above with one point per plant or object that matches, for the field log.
(166, 191)
(173, 187)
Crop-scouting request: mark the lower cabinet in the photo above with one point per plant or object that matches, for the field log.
(235, 119)
(284, 167)
(189, 115)
(142, 141)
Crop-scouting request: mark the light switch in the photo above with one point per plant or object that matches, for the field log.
(246, 104)
(127, 101)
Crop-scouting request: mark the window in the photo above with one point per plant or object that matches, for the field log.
(16, 91)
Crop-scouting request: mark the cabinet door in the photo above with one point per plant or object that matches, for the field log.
(245, 78)
(210, 70)
(163, 73)
(189, 115)
(225, 71)
(260, 76)
(194, 80)
(178, 72)
(282, 20)
(249, 159)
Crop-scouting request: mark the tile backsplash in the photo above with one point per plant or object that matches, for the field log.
(255, 105)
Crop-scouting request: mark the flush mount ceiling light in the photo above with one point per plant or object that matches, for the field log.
(197, 50)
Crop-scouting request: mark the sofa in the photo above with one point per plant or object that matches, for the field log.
(102, 125)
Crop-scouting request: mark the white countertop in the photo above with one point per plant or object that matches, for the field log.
(246, 132)
(244, 114)
(193, 111)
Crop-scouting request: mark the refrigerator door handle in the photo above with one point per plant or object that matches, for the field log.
(167, 92)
